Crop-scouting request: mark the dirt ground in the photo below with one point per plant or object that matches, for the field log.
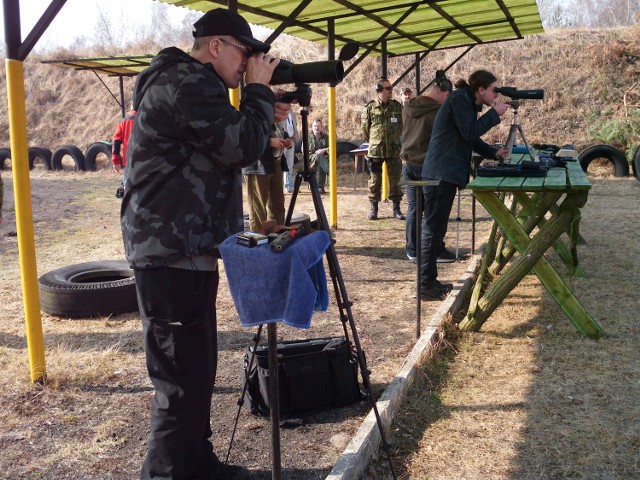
(91, 419)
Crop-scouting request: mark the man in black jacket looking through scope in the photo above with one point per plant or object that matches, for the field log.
(183, 197)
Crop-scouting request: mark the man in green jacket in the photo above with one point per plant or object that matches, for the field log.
(382, 128)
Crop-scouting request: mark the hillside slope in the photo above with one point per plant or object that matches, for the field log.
(590, 78)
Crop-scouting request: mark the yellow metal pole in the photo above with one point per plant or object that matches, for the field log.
(385, 182)
(234, 97)
(333, 160)
(24, 218)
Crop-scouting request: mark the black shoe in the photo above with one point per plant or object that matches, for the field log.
(373, 214)
(446, 256)
(322, 191)
(230, 472)
(397, 213)
(436, 291)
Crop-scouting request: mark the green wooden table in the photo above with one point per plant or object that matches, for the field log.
(540, 211)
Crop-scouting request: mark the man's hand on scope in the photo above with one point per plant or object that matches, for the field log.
(259, 68)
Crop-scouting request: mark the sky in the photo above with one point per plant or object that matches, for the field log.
(78, 18)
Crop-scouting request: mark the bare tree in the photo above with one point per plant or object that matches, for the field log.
(588, 13)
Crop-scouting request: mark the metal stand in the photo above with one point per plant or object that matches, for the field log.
(516, 127)
(344, 305)
(303, 95)
(419, 206)
(274, 401)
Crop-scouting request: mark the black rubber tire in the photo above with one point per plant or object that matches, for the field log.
(92, 289)
(74, 152)
(635, 163)
(43, 154)
(5, 153)
(615, 156)
(344, 148)
(93, 151)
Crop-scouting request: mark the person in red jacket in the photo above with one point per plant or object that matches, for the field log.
(120, 141)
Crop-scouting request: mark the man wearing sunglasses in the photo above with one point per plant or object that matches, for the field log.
(183, 196)
(381, 123)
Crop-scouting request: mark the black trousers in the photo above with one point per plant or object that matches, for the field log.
(438, 201)
(178, 311)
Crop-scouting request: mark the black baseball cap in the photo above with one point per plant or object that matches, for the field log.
(221, 21)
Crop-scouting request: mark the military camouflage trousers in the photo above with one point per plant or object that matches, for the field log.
(394, 171)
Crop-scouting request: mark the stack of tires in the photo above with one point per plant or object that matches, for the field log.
(53, 160)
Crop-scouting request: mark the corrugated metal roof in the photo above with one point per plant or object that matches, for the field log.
(125, 65)
(406, 26)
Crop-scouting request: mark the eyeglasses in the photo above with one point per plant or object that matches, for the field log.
(389, 88)
(245, 50)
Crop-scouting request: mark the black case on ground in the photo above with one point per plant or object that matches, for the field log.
(312, 374)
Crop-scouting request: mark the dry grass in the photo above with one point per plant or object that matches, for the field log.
(90, 421)
(527, 397)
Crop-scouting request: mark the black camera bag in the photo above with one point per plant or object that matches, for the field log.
(312, 374)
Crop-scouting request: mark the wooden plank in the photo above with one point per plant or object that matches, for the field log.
(485, 183)
(578, 180)
(511, 184)
(556, 179)
(533, 184)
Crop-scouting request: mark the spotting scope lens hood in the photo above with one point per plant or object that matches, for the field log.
(330, 71)
(516, 94)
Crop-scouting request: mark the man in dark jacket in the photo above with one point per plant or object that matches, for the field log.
(183, 196)
(418, 115)
(456, 133)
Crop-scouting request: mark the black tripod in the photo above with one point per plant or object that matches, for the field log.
(303, 96)
(344, 305)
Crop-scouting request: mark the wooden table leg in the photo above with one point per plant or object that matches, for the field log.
(532, 258)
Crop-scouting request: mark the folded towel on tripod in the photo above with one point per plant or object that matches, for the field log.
(286, 287)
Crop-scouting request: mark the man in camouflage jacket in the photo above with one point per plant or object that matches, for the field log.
(182, 198)
(382, 128)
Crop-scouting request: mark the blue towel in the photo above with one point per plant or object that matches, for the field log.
(285, 287)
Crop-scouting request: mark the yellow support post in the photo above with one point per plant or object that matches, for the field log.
(234, 97)
(24, 218)
(385, 182)
(333, 159)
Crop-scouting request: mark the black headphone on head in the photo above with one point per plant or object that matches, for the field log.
(442, 82)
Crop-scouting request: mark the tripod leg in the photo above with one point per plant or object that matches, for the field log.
(252, 358)
(458, 220)
(524, 139)
(347, 316)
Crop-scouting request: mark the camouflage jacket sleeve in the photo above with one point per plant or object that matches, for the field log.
(365, 122)
(235, 138)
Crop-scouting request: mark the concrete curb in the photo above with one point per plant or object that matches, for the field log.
(366, 442)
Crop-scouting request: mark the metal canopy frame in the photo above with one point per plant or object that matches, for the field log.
(114, 66)
(388, 28)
